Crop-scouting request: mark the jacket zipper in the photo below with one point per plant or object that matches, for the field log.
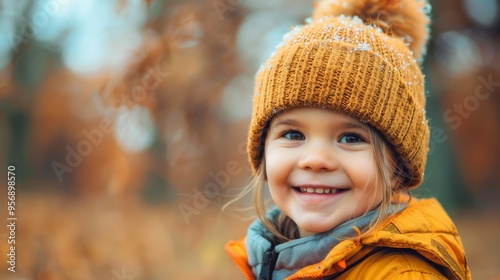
(268, 264)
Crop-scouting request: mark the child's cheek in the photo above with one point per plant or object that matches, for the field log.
(278, 166)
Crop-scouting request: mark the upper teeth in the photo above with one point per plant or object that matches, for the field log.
(319, 190)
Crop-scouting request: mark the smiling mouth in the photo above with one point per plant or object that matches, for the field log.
(319, 190)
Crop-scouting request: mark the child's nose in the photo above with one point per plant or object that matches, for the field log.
(318, 157)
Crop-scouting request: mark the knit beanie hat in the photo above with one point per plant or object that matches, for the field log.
(360, 57)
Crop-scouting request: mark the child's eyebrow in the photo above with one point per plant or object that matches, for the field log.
(290, 122)
(344, 124)
(351, 124)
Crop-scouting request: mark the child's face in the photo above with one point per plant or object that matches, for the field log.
(330, 153)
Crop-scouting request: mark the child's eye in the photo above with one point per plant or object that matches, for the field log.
(351, 138)
(293, 135)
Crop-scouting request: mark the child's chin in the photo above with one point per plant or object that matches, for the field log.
(315, 223)
(307, 229)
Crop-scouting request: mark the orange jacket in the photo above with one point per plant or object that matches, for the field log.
(420, 242)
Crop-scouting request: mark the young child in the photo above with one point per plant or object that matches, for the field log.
(339, 136)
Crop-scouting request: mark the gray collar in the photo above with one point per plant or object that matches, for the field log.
(299, 253)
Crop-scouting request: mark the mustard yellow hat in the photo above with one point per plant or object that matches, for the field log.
(357, 57)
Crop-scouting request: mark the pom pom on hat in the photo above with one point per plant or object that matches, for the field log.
(402, 18)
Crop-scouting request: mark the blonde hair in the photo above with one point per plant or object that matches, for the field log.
(392, 177)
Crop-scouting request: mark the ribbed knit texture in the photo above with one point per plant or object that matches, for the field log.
(339, 63)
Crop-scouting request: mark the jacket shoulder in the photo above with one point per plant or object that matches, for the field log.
(425, 227)
(390, 263)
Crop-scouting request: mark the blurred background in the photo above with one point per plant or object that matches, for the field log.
(126, 123)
